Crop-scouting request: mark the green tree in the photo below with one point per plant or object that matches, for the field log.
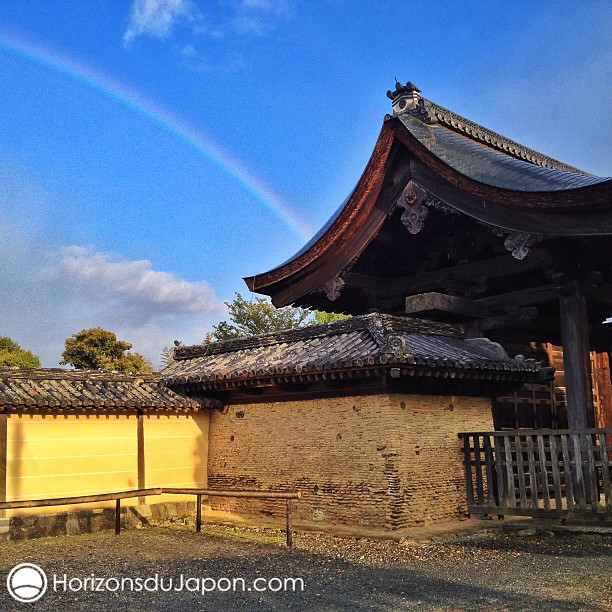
(328, 317)
(99, 349)
(13, 356)
(167, 356)
(257, 317)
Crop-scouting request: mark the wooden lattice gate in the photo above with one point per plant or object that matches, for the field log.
(540, 473)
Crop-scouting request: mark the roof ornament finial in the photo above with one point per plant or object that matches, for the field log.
(407, 99)
(404, 97)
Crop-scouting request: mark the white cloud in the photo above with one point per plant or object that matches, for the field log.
(49, 295)
(256, 17)
(131, 282)
(188, 51)
(157, 18)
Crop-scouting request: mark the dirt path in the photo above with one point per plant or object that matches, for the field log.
(487, 571)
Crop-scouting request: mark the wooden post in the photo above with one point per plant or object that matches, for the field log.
(117, 517)
(289, 534)
(198, 513)
(140, 451)
(3, 458)
(576, 361)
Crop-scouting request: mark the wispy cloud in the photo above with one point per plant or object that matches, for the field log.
(215, 21)
(131, 282)
(257, 17)
(157, 18)
(49, 295)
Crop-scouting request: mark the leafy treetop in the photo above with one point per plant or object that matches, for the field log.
(13, 356)
(328, 317)
(97, 349)
(257, 317)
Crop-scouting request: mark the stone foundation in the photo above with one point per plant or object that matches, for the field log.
(29, 526)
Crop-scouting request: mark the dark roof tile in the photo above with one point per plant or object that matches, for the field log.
(489, 165)
(361, 342)
(56, 389)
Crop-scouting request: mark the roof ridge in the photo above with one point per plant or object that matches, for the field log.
(486, 136)
(377, 324)
(77, 374)
(269, 338)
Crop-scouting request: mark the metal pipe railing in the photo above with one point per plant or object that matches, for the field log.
(199, 493)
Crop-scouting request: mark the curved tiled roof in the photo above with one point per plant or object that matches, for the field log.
(366, 342)
(488, 137)
(56, 389)
(466, 167)
(485, 164)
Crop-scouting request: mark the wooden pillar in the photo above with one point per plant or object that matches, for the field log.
(603, 416)
(141, 454)
(576, 360)
(3, 458)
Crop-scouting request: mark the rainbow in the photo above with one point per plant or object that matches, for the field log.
(177, 127)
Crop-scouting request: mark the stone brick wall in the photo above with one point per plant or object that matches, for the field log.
(375, 461)
(430, 460)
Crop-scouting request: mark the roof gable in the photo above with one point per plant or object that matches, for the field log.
(359, 344)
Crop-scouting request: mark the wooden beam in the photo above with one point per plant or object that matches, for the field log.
(523, 297)
(576, 360)
(515, 319)
(436, 305)
(496, 267)
(140, 454)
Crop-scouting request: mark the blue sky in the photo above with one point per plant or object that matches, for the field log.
(153, 152)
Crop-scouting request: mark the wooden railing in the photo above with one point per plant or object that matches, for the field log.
(542, 473)
(199, 493)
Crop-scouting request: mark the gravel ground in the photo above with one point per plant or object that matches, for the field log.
(484, 571)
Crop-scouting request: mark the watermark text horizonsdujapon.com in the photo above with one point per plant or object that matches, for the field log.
(27, 583)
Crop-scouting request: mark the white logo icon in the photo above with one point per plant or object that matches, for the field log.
(26, 582)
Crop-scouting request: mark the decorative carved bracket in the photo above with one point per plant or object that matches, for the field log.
(415, 201)
(520, 244)
(333, 288)
(412, 201)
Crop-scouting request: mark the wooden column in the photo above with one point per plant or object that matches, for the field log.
(3, 458)
(141, 454)
(576, 360)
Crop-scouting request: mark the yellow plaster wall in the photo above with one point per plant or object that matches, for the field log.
(68, 455)
(176, 453)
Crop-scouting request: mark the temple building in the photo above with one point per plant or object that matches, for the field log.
(453, 222)
(478, 278)
(467, 261)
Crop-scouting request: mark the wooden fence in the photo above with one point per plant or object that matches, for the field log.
(540, 473)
